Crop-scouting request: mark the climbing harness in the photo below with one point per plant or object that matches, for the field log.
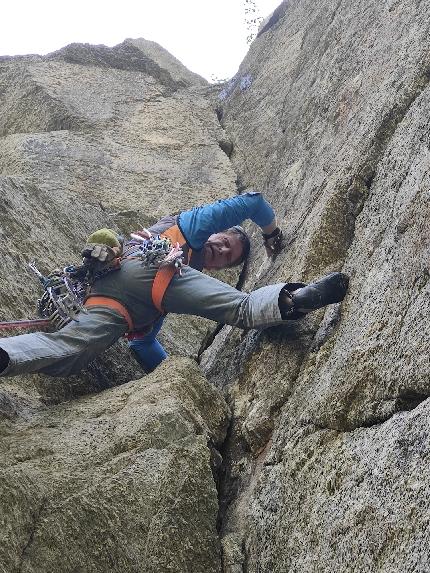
(66, 291)
(157, 251)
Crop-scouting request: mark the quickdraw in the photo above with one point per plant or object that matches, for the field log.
(155, 250)
(63, 296)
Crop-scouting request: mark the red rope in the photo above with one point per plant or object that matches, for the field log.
(7, 325)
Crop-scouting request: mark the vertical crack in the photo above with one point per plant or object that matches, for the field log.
(388, 126)
(36, 520)
(337, 226)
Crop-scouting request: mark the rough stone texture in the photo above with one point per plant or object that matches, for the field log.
(325, 463)
(334, 127)
(334, 501)
(167, 62)
(119, 481)
(114, 136)
(123, 480)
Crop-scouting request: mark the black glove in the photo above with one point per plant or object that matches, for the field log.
(273, 243)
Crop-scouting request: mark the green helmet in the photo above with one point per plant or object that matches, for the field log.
(104, 237)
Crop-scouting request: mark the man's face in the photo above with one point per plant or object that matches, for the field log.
(222, 250)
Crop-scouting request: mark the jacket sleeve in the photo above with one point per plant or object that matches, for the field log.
(198, 294)
(198, 224)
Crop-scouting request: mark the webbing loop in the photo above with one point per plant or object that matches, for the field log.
(94, 300)
(160, 285)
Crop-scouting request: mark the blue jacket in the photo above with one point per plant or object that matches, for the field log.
(198, 224)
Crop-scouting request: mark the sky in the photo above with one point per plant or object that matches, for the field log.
(208, 36)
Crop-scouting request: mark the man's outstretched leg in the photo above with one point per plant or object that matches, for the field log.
(201, 295)
(297, 299)
(64, 352)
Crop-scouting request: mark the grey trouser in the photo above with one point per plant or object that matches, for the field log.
(67, 351)
(73, 347)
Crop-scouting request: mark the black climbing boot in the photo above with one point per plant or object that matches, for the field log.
(327, 290)
(4, 360)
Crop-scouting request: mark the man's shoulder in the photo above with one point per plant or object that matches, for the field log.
(163, 224)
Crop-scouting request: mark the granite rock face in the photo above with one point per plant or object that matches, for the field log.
(124, 479)
(323, 465)
(327, 469)
(119, 481)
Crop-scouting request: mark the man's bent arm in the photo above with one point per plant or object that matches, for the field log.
(199, 223)
(201, 295)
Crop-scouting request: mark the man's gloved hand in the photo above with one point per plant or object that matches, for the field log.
(273, 243)
(102, 246)
(102, 253)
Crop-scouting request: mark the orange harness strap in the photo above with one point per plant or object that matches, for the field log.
(165, 274)
(159, 286)
(94, 300)
(175, 235)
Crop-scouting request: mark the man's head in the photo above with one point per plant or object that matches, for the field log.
(226, 249)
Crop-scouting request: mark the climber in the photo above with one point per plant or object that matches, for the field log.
(131, 300)
(211, 239)
(122, 301)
